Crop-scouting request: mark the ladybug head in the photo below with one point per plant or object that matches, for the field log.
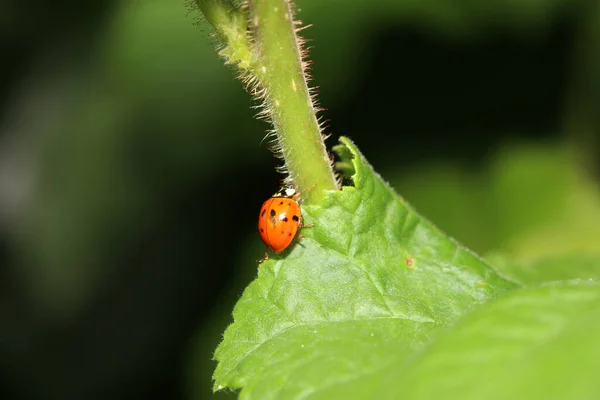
(287, 191)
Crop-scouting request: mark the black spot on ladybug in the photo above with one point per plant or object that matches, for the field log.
(290, 234)
(262, 214)
(282, 232)
(295, 218)
(262, 230)
(285, 219)
(272, 213)
(281, 203)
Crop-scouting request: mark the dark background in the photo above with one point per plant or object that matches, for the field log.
(131, 169)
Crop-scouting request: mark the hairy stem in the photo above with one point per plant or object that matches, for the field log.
(230, 25)
(288, 99)
(269, 54)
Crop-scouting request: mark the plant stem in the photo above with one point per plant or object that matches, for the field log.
(288, 100)
(230, 25)
(269, 55)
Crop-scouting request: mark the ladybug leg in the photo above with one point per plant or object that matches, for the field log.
(303, 225)
(265, 258)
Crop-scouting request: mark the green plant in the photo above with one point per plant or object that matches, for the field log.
(377, 302)
(262, 42)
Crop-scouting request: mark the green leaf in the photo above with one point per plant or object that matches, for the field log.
(368, 286)
(535, 343)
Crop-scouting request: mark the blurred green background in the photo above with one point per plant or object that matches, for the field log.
(131, 168)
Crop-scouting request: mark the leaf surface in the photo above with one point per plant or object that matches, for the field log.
(535, 343)
(370, 284)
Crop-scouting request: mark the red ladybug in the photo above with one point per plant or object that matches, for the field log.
(280, 220)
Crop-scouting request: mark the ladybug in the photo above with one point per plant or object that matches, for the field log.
(280, 220)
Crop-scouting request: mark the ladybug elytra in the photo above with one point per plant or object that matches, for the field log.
(280, 220)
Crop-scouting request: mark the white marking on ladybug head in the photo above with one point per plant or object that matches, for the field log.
(289, 192)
